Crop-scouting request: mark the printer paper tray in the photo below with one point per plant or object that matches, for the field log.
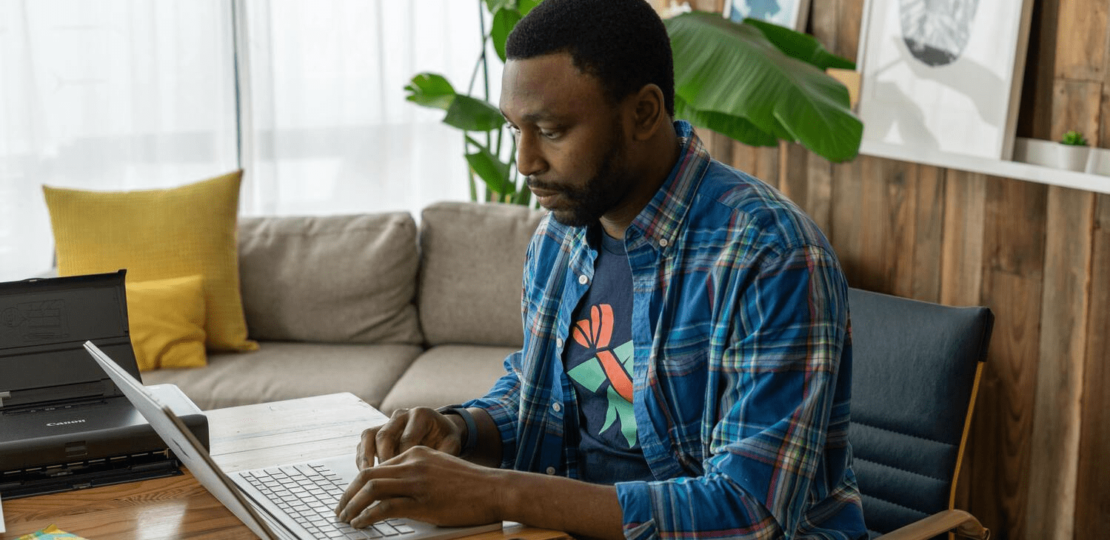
(101, 472)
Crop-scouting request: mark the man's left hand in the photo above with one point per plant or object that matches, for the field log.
(427, 485)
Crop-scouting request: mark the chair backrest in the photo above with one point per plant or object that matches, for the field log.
(915, 369)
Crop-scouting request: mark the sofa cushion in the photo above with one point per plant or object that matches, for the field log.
(291, 370)
(448, 375)
(159, 234)
(336, 279)
(470, 276)
(166, 321)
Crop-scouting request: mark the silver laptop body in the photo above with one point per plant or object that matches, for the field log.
(250, 494)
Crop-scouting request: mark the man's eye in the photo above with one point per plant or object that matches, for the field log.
(514, 130)
(551, 135)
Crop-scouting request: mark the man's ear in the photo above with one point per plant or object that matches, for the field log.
(649, 112)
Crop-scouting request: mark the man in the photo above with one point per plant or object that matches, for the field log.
(686, 360)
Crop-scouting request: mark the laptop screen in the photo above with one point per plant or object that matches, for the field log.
(184, 445)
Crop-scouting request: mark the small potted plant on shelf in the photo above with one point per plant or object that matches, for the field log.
(1073, 151)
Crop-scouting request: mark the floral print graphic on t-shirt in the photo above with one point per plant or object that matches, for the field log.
(610, 364)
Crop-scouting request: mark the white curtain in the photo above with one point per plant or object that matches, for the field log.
(135, 94)
(107, 95)
(327, 129)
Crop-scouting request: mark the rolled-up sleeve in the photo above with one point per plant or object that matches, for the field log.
(502, 404)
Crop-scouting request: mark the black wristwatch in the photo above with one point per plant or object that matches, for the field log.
(471, 426)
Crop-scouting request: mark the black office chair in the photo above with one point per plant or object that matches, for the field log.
(915, 374)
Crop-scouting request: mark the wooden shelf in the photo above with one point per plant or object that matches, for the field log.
(1024, 149)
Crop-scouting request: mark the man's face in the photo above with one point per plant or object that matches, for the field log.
(570, 138)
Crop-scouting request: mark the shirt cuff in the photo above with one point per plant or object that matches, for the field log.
(636, 515)
(505, 420)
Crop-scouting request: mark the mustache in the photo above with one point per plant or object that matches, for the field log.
(569, 192)
(535, 183)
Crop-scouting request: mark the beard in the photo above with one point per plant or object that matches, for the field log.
(601, 193)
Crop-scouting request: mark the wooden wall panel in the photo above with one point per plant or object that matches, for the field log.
(928, 240)
(900, 209)
(819, 188)
(719, 146)
(1056, 419)
(850, 13)
(872, 222)
(1012, 240)
(761, 162)
(1092, 515)
(1104, 113)
(1016, 213)
(846, 223)
(1082, 54)
(999, 457)
(962, 247)
(794, 173)
(1076, 106)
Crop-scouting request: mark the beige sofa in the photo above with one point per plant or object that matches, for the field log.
(396, 313)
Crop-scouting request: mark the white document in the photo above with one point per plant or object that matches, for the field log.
(2, 516)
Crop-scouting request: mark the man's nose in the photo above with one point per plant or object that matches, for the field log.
(529, 160)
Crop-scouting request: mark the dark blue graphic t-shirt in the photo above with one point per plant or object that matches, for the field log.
(598, 360)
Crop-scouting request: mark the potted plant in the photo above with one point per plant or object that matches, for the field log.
(755, 82)
(759, 83)
(1073, 151)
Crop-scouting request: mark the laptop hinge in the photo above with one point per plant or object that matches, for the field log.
(3, 396)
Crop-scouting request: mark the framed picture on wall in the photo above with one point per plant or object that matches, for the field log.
(942, 78)
(789, 13)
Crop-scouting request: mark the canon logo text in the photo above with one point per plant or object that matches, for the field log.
(66, 423)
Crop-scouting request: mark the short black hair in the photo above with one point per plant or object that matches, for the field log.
(621, 42)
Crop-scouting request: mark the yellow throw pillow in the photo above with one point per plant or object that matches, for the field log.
(167, 322)
(160, 234)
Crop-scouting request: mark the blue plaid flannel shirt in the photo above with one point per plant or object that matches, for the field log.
(742, 367)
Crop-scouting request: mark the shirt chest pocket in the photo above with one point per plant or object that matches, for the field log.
(683, 379)
(682, 376)
(686, 363)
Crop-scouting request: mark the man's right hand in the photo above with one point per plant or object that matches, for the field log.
(407, 428)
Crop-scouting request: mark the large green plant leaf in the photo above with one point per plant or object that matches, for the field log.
(734, 127)
(524, 6)
(503, 22)
(494, 5)
(470, 114)
(430, 90)
(801, 46)
(491, 170)
(734, 70)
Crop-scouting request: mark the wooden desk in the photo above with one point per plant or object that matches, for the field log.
(245, 437)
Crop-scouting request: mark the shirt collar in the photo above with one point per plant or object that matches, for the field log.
(659, 221)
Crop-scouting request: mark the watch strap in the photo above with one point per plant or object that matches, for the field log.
(471, 427)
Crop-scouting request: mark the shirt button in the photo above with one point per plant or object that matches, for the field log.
(551, 470)
(583, 279)
(556, 407)
(663, 242)
(559, 342)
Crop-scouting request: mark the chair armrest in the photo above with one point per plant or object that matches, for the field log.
(963, 523)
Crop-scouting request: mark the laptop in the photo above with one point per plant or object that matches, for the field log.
(294, 501)
(63, 424)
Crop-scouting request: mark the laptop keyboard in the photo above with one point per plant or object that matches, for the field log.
(308, 494)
